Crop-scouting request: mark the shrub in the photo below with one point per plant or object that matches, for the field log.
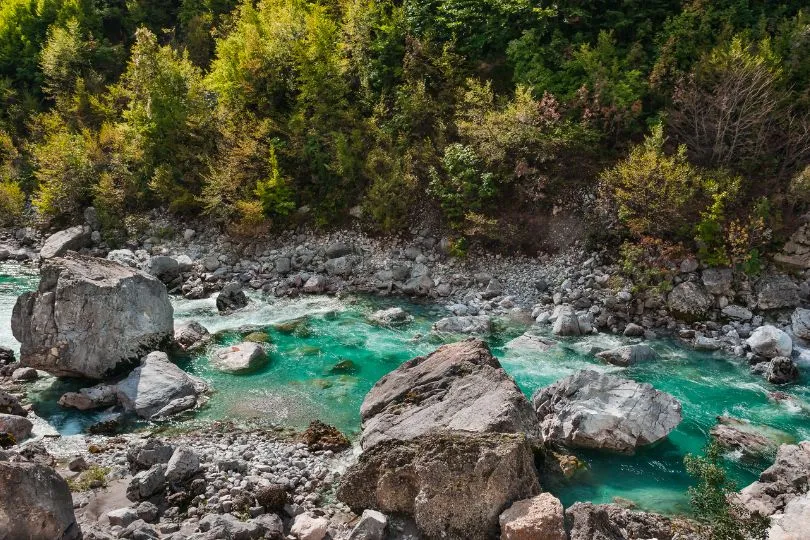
(393, 190)
(464, 186)
(12, 202)
(274, 192)
(65, 174)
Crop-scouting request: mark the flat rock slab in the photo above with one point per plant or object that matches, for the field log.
(155, 384)
(239, 358)
(72, 239)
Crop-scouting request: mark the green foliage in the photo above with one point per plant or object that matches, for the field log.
(462, 186)
(93, 477)
(393, 191)
(12, 202)
(274, 192)
(710, 500)
(64, 173)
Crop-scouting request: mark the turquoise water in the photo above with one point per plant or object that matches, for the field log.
(312, 335)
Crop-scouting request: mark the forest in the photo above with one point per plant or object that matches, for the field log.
(669, 125)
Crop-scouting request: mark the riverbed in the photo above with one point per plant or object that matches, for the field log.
(325, 355)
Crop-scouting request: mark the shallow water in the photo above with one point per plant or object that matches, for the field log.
(301, 383)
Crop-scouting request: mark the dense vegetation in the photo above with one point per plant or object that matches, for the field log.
(684, 124)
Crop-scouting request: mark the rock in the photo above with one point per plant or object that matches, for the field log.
(41, 507)
(183, 465)
(338, 249)
(121, 517)
(320, 436)
(78, 464)
(633, 330)
(166, 269)
(590, 521)
(11, 405)
(309, 527)
(453, 484)
(471, 324)
(147, 483)
(124, 257)
(72, 239)
(738, 313)
(229, 527)
(272, 526)
(785, 480)
(689, 301)
(541, 516)
(777, 291)
(394, 316)
(718, 280)
(6, 356)
(139, 530)
(154, 384)
(703, 343)
(741, 436)
(627, 355)
(800, 323)
(567, 323)
(769, 342)
(24, 374)
(272, 497)
(315, 285)
(528, 343)
(340, 266)
(595, 410)
(191, 336)
(493, 290)
(18, 426)
(231, 298)
(95, 397)
(147, 512)
(91, 318)
(371, 526)
(35, 452)
(240, 358)
(460, 386)
(141, 455)
(782, 370)
(792, 523)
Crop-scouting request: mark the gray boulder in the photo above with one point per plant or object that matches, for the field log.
(91, 318)
(595, 410)
(10, 404)
(460, 386)
(229, 527)
(41, 507)
(239, 358)
(689, 301)
(183, 465)
(165, 268)
(72, 239)
(338, 249)
(777, 291)
(18, 426)
(154, 384)
(340, 266)
(627, 355)
(453, 484)
(95, 397)
(750, 441)
(800, 323)
(792, 523)
(568, 323)
(371, 526)
(738, 313)
(142, 454)
(147, 483)
(785, 480)
(124, 257)
(394, 316)
(781, 370)
(718, 280)
(469, 324)
(588, 521)
(191, 336)
(528, 343)
(231, 298)
(769, 341)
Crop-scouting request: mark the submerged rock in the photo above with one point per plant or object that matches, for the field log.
(240, 358)
(627, 355)
(41, 507)
(769, 341)
(529, 343)
(751, 441)
(595, 410)
(394, 316)
(460, 386)
(453, 484)
(469, 324)
(785, 480)
(91, 318)
(541, 516)
(72, 239)
(156, 383)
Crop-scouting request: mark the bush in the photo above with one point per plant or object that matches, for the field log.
(463, 186)
(65, 175)
(12, 203)
(393, 191)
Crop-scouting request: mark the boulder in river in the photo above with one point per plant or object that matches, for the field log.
(191, 336)
(781, 370)
(689, 301)
(459, 386)
(239, 358)
(394, 316)
(751, 441)
(453, 484)
(72, 239)
(785, 480)
(101, 395)
(528, 343)
(568, 323)
(467, 324)
(231, 298)
(768, 341)
(91, 318)
(627, 355)
(541, 517)
(157, 384)
(41, 507)
(596, 410)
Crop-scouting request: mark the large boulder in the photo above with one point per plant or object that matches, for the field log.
(231, 298)
(41, 505)
(239, 358)
(191, 336)
(781, 370)
(785, 480)
(163, 267)
(752, 442)
(72, 239)
(453, 484)
(10, 404)
(155, 385)
(91, 318)
(531, 519)
(777, 291)
(769, 341)
(468, 324)
(460, 386)
(718, 280)
(800, 323)
(689, 301)
(18, 426)
(588, 521)
(792, 523)
(568, 323)
(627, 355)
(101, 395)
(596, 410)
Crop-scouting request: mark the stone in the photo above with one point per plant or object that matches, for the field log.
(737, 313)
(394, 316)
(590, 521)
(147, 483)
(320, 436)
(121, 517)
(229, 527)
(470, 324)
(124, 257)
(689, 301)
(627, 355)
(777, 291)
(528, 343)
(78, 464)
(315, 284)
(718, 280)
(165, 268)
(91, 218)
(183, 465)
(6, 356)
(154, 384)
(453, 484)
(740, 436)
(338, 249)
(769, 341)
(792, 523)
(541, 516)
(782, 370)
(95, 397)
(272, 497)
(596, 410)
(72, 239)
(41, 507)
(91, 318)
(9, 404)
(191, 336)
(371, 526)
(785, 480)
(567, 322)
(18, 426)
(147, 512)
(272, 526)
(141, 455)
(231, 298)
(340, 266)
(309, 527)
(459, 386)
(633, 330)
(139, 530)
(239, 358)
(24, 374)
(800, 323)
(704, 343)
